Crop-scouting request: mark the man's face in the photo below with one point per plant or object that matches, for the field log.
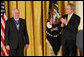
(16, 14)
(69, 10)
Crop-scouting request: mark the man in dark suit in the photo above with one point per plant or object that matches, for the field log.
(16, 36)
(69, 23)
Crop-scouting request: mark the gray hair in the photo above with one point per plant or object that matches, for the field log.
(71, 5)
(14, 10)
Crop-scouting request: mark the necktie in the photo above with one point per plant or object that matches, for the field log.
(17, 24)
(68, 18)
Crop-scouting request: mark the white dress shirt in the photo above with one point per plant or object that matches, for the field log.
(17, 25)
(70, 18)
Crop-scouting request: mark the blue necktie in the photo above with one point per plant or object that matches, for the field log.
(17, 24)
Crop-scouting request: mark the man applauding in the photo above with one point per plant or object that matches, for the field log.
(70, 23)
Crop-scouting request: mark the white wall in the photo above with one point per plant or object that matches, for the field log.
(79, 11)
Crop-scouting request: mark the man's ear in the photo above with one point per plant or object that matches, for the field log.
(72, 10)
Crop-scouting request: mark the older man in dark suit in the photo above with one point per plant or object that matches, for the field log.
(16, 36)
(69, 23)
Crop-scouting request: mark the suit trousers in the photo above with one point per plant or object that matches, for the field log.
(19, 51)
(69, 48)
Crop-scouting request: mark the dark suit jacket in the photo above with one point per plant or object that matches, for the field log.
(13, 37)
(70, 31)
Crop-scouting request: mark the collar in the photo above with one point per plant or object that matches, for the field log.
(70, 15)
(16, 19)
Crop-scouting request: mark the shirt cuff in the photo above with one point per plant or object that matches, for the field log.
(62, 25)
(66, 24)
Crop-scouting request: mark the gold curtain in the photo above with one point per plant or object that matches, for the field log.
(35, 13)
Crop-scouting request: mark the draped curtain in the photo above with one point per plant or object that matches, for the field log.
(35, 13)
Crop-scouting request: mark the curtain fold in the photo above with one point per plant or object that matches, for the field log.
(29, 21)
(35, 13)
(37, 28)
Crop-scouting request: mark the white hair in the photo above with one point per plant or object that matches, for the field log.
(14, 10)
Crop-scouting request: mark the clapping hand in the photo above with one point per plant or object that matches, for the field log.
(64, 21)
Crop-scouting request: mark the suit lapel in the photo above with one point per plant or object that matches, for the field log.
(66, 16)
(14, 23)
(20, 24)
(71, 17)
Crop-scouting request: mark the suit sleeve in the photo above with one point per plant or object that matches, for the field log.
(73, 26)
(60, 27)
(26, 34)
(6, 33)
